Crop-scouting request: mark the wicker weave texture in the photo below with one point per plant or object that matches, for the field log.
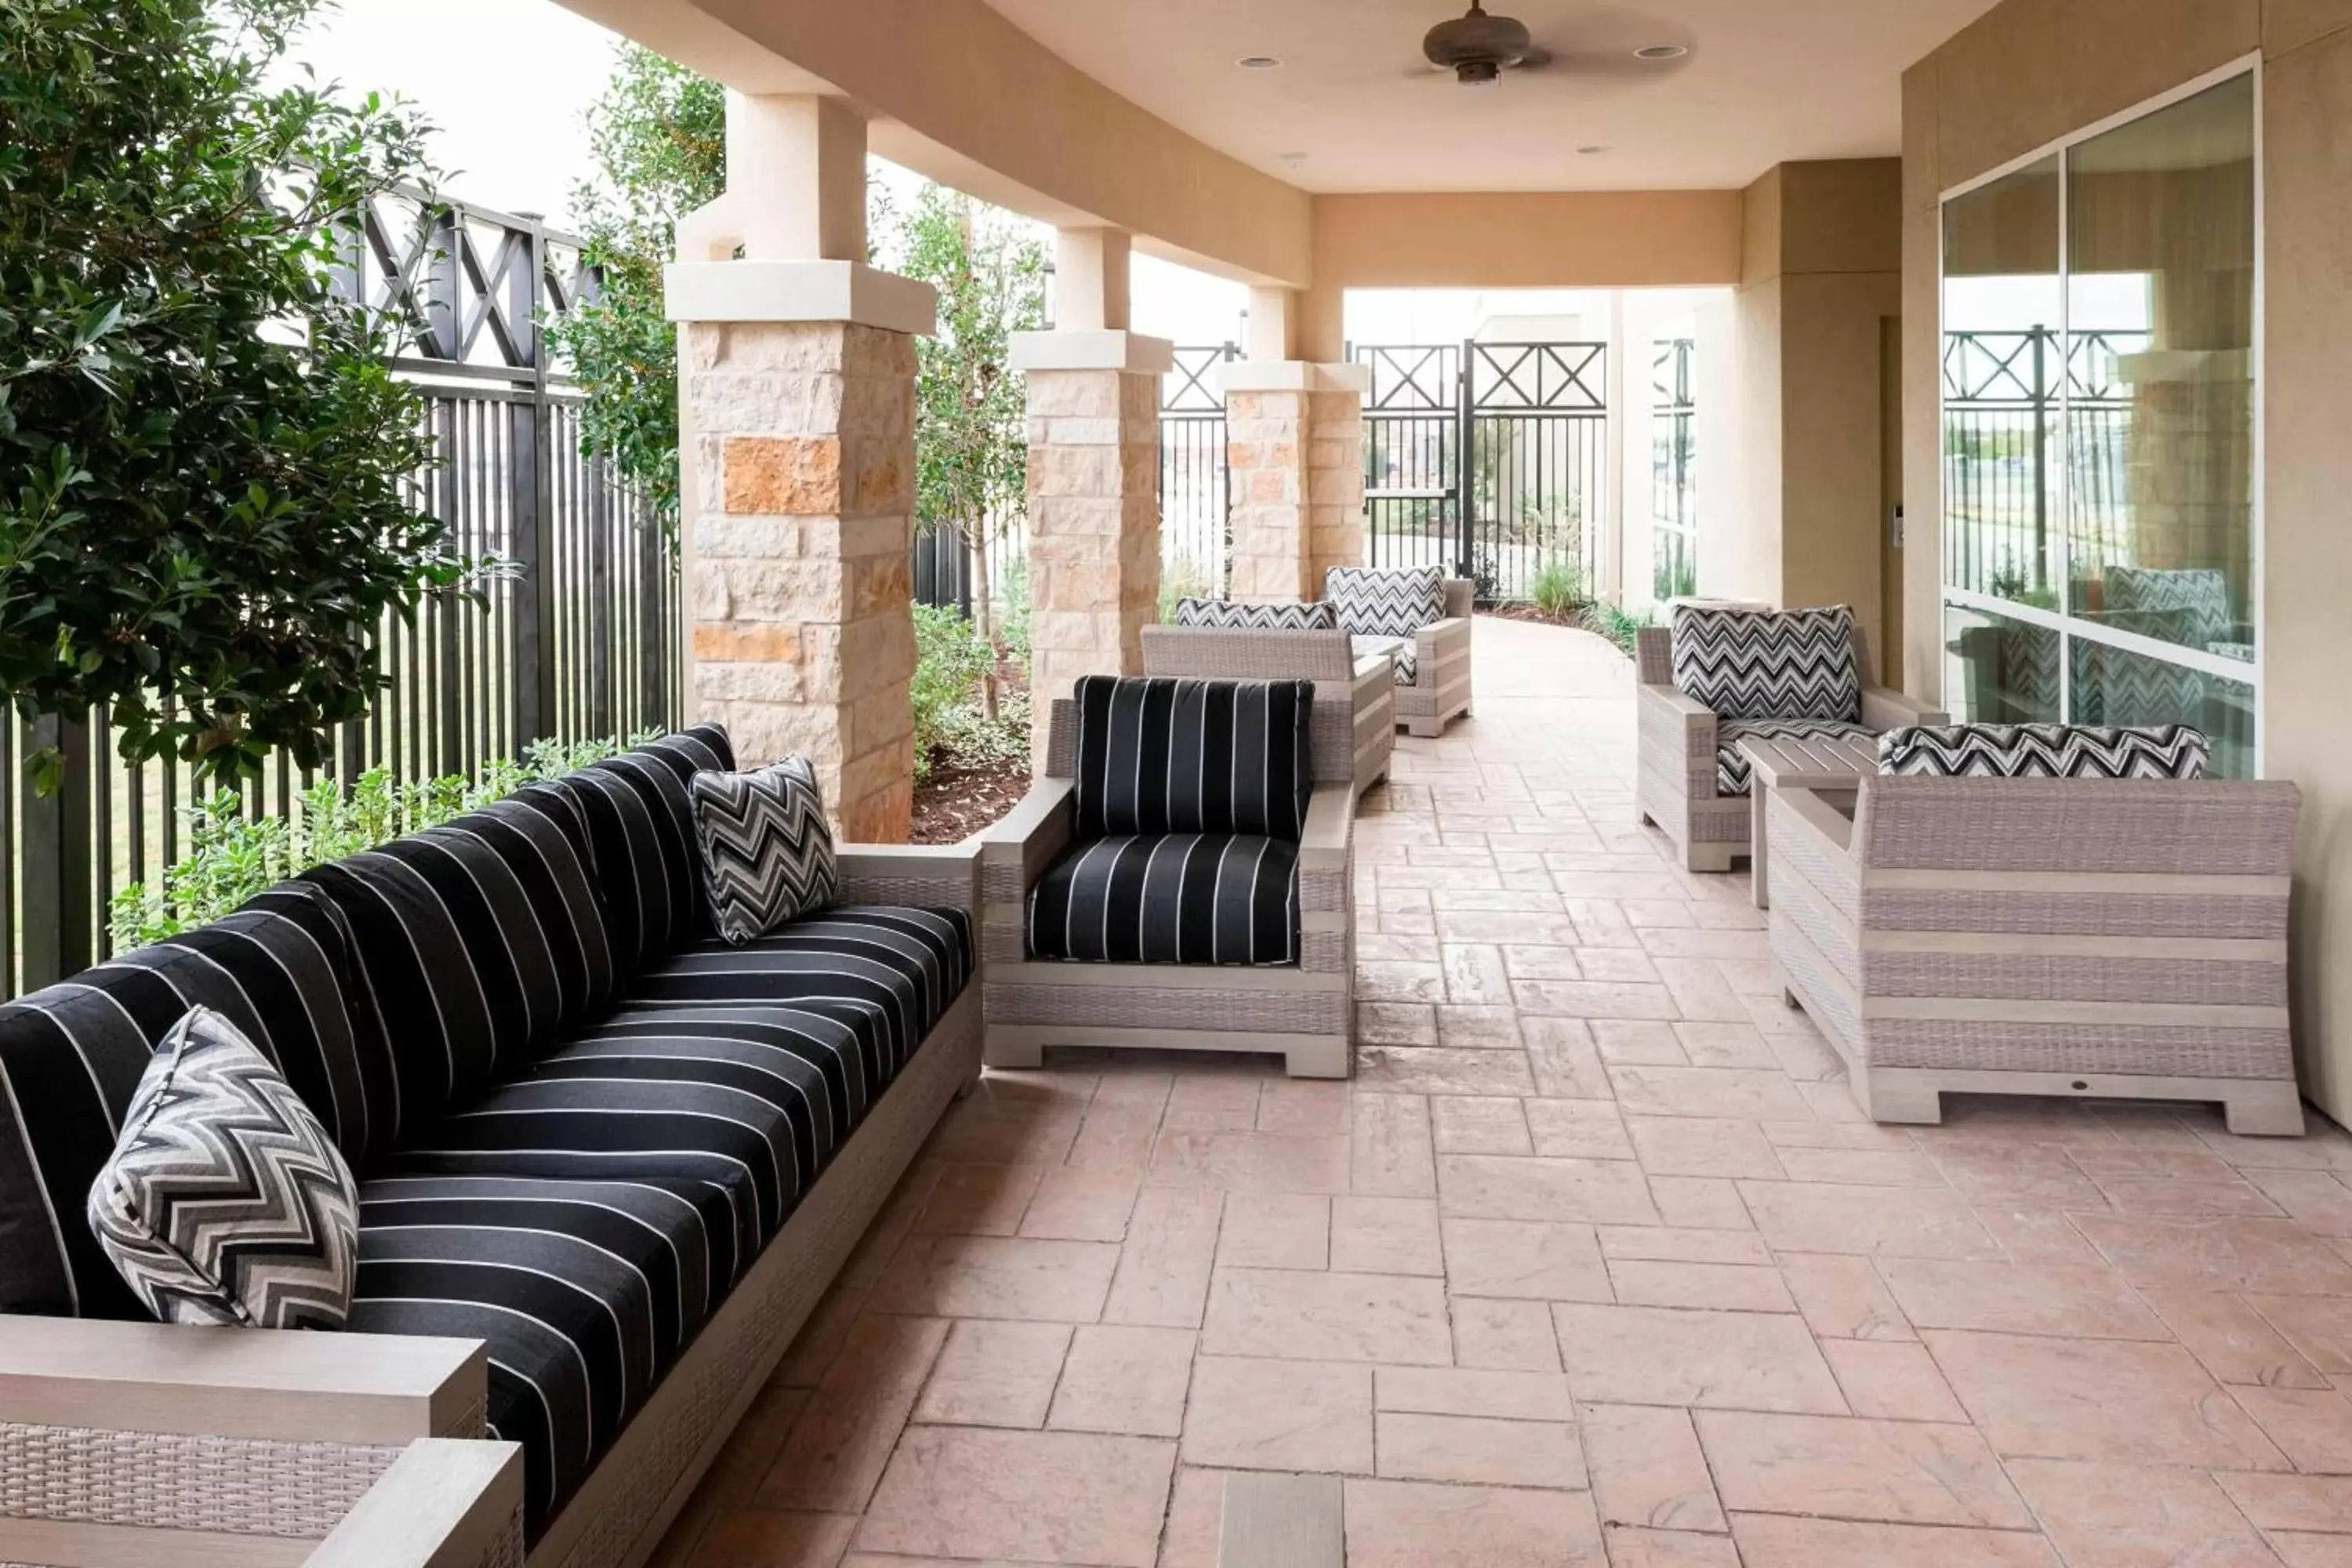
(2143, 1050)
(2038, 914)
(2140, 826)
(164, 1480)
(1114, 1007)
(2059, 977)
(1221, 653)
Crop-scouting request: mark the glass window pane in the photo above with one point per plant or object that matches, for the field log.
(2161, 313)
(1999, 670)
(2115, 686)
(2002, 312)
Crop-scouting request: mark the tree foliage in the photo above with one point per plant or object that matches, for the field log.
(658, 135)
(205, 470)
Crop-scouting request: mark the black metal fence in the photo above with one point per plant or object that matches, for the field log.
(1196, 541)
(1491, 460)
(579, 640)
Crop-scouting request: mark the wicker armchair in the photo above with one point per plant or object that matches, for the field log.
(2090, 938)
(1354, 698)
(1679, 746)
(1440, 688)
(1300, 1008)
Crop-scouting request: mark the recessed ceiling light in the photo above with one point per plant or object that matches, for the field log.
(1593, 150)
(1258, 62)
(1661, 51)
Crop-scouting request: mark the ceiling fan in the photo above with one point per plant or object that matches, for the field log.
(1478, 47)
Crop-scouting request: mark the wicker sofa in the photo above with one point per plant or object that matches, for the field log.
(1295, 1001)
(607, 1166)
(1354, 698)
(2081, 937)
(1682, 747)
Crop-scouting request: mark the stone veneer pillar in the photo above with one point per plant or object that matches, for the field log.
(1295, 455)
(796, 399)
(1094, 505)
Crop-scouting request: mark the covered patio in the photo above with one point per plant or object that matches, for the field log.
(1595, 1260)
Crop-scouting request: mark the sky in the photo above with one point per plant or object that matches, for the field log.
(508, 84)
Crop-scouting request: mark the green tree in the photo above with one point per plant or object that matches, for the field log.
(204, 466)
(971, 439)
(658, 135)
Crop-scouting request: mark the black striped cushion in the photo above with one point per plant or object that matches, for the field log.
(641, 828)
(889, 973)
(1186, 897)
(71, 1055)
(583, 1292)
(1768, 664)
(1170, 755)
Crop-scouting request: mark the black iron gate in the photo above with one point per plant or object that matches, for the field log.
(1490, 459)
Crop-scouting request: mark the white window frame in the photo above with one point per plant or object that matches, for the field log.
(2066, 625)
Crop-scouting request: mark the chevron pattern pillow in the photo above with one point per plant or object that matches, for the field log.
(1383, 604)
(767, 849)
(1768, 664)
(2045, 752)
(225, 1201)
(1314, 616)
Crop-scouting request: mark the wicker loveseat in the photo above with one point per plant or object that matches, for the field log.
(2076, 936)
(1179, 878)
(1355, 697)
(607, 1164)
(1691, 780)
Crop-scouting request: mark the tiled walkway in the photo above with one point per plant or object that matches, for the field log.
(1592, 1263)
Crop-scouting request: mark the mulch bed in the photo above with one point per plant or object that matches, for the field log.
(1529, 612)
(955, 802)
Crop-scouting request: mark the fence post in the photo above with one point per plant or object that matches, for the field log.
(55, 877)
(530, 486)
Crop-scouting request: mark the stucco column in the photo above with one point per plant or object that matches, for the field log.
(1094, 504)
(1295, 455)
(796, 404)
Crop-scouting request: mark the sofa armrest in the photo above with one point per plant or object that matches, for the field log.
(1808, 815)
(1664, 702)
(1330, 828)
(1461, 597)
(1883, 707)
(239, 1383)
(443, 1504)
(914, 876)
(1029, 837)
(1434, 642)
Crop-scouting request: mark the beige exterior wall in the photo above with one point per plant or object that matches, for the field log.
(1820, 273)
(2031, 71)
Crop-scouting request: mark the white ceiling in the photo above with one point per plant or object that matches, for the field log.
(1765, 82)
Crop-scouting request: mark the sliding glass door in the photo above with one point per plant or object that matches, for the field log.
(2100, 506)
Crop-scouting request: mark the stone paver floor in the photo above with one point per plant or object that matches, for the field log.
(1592, 1263)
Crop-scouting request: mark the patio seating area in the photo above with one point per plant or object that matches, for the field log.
(1595, 1261)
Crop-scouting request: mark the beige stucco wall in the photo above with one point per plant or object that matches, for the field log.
(2029, 72)
(1820, 270)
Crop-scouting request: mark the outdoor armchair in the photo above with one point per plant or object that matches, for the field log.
(1422, 620)
(1719, 676)
(2120, 936)
(1180, 878)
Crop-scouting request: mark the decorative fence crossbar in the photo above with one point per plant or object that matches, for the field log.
(1490, 459)
(578, 641)
(2002, 395)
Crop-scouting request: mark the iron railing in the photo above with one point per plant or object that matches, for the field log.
(1488, 458)
(1196, 540)
(579, 639)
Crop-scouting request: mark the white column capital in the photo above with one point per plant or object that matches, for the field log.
(1099, 349)
(780, 291)
(1292, 375)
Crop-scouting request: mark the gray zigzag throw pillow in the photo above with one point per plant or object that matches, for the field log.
(225, 1201)
(767, 849)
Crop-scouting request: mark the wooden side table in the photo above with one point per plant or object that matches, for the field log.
(1798, 763)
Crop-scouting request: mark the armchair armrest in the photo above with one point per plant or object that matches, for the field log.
(1664, 702)
(1440, 637)
(1030, 837)
(919, 876)
(1883, 707)
(239, 1383)
(1461, 597)
(443, 1504)
(1812, 817)
(1329, 828)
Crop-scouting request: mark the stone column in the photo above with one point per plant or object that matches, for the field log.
(796, 402)
(1295, 455)
(1094, 504)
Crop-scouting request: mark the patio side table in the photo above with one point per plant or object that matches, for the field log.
(1794, 762)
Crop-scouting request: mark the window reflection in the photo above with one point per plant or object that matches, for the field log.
(2001, 671)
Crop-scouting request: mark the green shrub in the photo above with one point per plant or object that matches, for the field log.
(1182, 578)
(233, 856)
(1611, 621)
(950, 660)
(1558, 589)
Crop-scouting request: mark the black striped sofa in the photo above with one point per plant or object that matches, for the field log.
(607, 1158)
